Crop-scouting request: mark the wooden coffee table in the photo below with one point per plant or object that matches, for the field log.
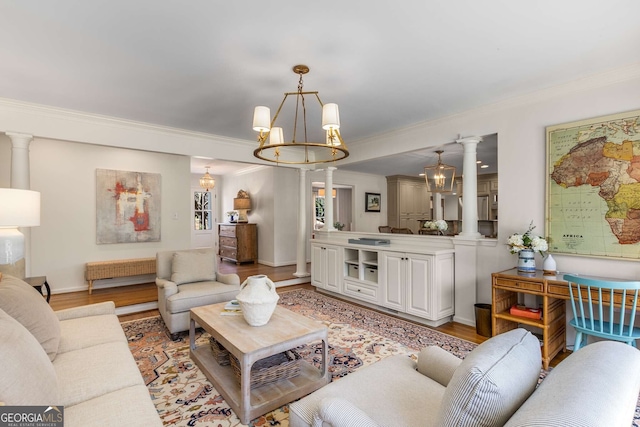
(285, 330)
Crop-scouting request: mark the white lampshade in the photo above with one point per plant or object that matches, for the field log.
(330, 117)
(19, 208)
(276, 136)
(261, 119)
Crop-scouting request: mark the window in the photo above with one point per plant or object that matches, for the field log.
(202, 210)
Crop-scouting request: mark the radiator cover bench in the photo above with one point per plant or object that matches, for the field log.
(118, 268)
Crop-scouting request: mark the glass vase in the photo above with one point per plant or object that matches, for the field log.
(526, 261)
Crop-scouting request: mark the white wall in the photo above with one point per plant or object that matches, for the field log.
(64, 173)
(520, 124)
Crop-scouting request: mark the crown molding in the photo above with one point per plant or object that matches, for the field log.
(584, 84)
(46, 111)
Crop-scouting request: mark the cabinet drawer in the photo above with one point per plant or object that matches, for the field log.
(520, 285)
(228, 252)
(361, 291)
(558, 290)
(228, 230)
(228, 241)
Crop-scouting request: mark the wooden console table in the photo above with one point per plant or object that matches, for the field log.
(506, 285)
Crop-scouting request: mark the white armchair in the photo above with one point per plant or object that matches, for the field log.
(187, 279)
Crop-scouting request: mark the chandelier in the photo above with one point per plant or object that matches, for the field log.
(309, 150)
(439, 177)
(207, 182)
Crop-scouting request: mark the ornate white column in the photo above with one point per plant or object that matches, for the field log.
(469, 187)
(328, 200)
(301, 242)
(21, 179)
(437, 206)
(20, 171)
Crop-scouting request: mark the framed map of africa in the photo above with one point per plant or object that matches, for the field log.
(593, 187)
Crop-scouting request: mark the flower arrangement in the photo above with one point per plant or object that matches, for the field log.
(528, 240)
(440, 225)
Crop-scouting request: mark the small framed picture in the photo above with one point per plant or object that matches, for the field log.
(372, 202)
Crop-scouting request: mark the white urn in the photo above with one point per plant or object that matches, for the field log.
(257, 299)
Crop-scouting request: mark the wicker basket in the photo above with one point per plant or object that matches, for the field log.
(220, 354)
(273, 368)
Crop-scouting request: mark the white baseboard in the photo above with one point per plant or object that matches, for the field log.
(136, 308)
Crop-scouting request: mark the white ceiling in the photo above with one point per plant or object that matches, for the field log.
(203, 65)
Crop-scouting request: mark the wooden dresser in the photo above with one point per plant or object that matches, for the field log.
(238, 242)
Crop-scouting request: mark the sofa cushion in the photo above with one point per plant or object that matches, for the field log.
(200, 293)
(391, 392)
(89, 331)
(22, 302)
(492, 381)
(129, 407)
(595, 386)
(94, 371)
(193, 266)
(28, 378)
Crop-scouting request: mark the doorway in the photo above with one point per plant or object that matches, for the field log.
(342, 200)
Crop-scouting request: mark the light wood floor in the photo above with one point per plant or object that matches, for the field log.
(138, 294)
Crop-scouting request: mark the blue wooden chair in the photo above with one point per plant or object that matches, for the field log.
(594, 314)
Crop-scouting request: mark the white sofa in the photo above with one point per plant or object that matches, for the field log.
(78, 358)
(495, 385)
(188, 279)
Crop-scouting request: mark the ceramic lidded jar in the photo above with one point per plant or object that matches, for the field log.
(257, 299)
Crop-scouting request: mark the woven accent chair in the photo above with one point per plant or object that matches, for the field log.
(593, 313)
(384, 229)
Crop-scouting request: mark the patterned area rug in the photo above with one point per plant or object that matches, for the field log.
(357, 337)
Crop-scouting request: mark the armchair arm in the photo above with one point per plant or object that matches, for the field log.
(437, 364)
(340, 413)
(167, 286)
(228, 279)
(99, 309)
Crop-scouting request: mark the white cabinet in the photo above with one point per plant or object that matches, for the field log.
(430, 286)
(392, 277)
(418, 284)
(408, 202)
(325, 262)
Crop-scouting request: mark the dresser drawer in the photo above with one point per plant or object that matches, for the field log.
(361, 291)
(228, 241)
(228, 230)
(228, 252)
(518, 285)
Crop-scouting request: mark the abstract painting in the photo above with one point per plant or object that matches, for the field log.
(127, 206)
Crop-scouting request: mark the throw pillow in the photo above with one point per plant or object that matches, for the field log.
(28, 377)
(193, 266)
(492, 381)
(22, 302)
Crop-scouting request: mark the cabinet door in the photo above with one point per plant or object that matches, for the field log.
(423, 200)
(332, 264)
(318, 267)
(407, 199)
(392, 279)
(444, 286)
(419, 286)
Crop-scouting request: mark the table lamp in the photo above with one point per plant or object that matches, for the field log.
(18, 208)
(242, 204)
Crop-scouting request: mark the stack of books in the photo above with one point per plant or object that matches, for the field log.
(528, 312)
(232, 308)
